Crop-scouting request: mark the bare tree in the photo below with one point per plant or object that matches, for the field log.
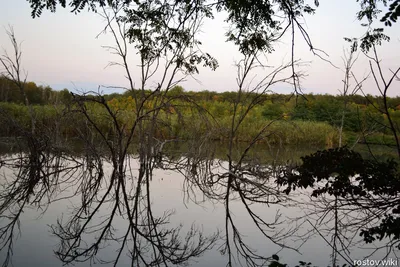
(349, 89)
(243, 179)
(14, 72)
(35, 175)
(169, 40)
(43, 171)
(383, 84)
(352, 199)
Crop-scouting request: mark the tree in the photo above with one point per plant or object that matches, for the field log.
(272, 110)
(176, 90)
(160, 33)
(362, 193)
(14, 72)
(303, 111)
(65, 96)
(257, 24)
(163, 36)
(39, 157)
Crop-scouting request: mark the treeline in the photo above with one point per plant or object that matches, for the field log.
(358, 112)
(36, 94)
(313, 107)
(309, 119)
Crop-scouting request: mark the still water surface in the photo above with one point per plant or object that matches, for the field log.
(35, 246)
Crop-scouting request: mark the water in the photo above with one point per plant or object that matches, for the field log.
(36, 245)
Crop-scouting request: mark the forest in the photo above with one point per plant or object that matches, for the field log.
(310, 119)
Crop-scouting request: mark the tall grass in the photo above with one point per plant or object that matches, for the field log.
(182, 124)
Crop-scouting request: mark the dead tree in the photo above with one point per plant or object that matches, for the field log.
(162, 33)
(240, 178)
(32, 177)
(352, 199)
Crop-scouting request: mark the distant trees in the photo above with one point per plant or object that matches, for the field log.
(272, 110)
(176, 91)
(65, 96)
(37, 95)
(360, 113)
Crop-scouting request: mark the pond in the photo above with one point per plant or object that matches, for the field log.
(296, 237)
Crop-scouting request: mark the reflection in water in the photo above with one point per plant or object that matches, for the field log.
(169, 215)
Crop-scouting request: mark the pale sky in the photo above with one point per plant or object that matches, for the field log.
(61, 49)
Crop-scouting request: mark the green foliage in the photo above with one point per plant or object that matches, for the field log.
(272, 110)
(155, 28)
(313, 120)
(176, 91)
(255, 24)
(65, 96)
(37, 95)
(302, 111)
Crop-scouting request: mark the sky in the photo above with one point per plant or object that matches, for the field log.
(63, 50)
